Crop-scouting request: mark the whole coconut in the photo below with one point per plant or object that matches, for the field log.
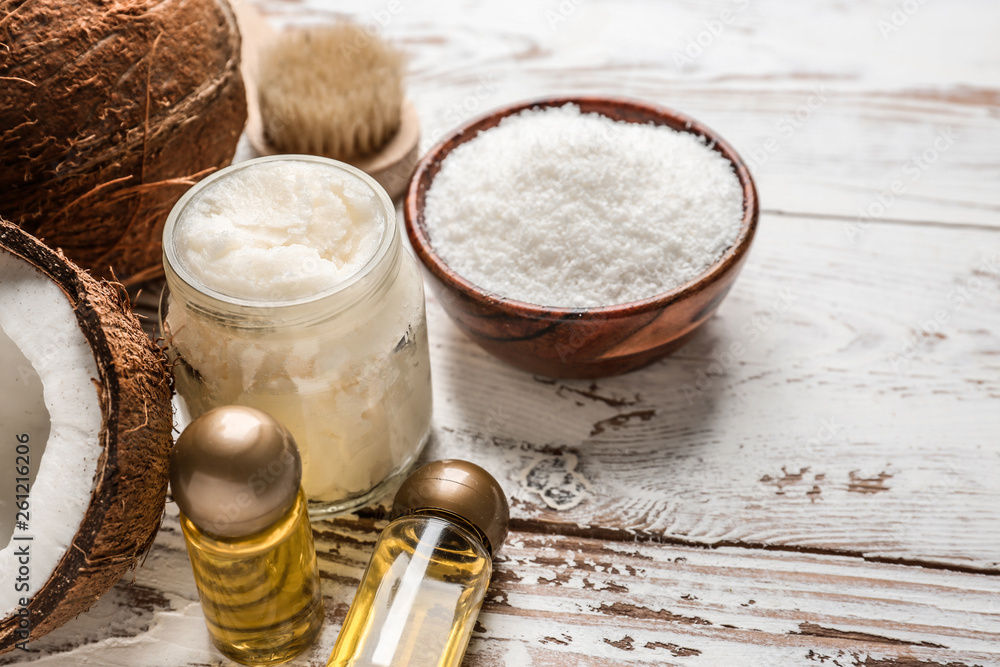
(109, 111)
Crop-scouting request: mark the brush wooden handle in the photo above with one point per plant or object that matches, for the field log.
(392, 167)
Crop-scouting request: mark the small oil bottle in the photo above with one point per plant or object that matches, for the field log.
(236, 475)
(419, 598)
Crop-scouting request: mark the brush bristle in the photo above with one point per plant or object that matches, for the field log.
(335, 91)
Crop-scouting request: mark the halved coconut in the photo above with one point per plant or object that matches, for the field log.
(84, 438)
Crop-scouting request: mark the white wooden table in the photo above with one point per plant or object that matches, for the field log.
(830, 495)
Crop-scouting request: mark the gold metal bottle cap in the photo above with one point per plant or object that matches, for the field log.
(234, 471)
(461, 488)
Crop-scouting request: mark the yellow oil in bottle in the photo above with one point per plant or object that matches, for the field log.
(418, 599)
(261, 593)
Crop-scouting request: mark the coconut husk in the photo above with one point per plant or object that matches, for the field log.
(109, 111)
(130, 485)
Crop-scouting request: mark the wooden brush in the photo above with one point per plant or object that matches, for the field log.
(331, 90)
(335, 91)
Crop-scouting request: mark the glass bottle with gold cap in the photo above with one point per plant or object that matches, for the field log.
(419, 598)
(236, 476)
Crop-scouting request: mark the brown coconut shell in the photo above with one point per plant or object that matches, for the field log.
(130, 484)
(109, 111)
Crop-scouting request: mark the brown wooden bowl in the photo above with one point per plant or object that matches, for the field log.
(580, 342)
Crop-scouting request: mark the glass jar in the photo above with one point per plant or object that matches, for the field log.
(260, 593)
(247, 534)
(346, 369)
(418, 599)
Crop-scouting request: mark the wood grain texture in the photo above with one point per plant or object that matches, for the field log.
(760, 83)
(813, 412)
(814, 479)
(559, 600)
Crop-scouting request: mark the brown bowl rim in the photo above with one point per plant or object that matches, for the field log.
(429, 165)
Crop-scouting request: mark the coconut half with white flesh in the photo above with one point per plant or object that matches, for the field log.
(85, 437)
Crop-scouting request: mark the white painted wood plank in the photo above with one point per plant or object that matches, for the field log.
(859, 422)
(828, 105)
(558, 600)
(858, 413)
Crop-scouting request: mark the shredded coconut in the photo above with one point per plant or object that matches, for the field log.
(564, 209)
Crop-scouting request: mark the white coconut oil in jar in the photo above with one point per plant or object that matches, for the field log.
(288, 290)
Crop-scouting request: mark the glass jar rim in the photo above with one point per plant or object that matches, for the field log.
(389, 232)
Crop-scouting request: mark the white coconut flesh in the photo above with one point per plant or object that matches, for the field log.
(47, 384)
